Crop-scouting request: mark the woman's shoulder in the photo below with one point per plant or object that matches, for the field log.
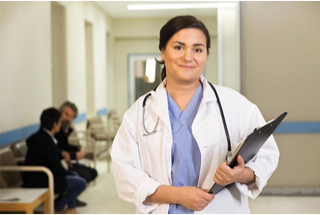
(136, 107)
(227, 90)
(229, 95)
(156, 93)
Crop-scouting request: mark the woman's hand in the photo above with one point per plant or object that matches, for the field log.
(226, 175)
(194, 198)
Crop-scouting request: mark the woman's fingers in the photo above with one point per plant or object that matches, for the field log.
(195, 198)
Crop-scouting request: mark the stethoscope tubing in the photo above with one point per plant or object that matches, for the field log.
(222, 116)
(221, 113)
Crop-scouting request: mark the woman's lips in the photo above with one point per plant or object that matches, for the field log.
(186, 67)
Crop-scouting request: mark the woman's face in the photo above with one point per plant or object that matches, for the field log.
(185, 55)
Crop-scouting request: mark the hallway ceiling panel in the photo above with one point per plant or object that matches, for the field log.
(118, 9)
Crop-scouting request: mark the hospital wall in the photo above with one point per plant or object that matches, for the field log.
(141, 36)
(26, 60)
(281, 72)
(78, 14)
(280, 67)
(25, 67)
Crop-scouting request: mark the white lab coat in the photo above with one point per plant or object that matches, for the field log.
(142, 163)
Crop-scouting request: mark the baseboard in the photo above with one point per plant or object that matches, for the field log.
(291, 191)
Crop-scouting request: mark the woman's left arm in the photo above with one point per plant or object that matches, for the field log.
(252, 177)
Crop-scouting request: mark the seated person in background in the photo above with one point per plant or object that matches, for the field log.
(42, 151)
(69, 152)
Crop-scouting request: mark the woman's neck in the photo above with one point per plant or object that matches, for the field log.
(182, 93)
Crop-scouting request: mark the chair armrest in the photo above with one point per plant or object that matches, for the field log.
(80, 132)
(97, 126)
(76, 137)
(35, 169)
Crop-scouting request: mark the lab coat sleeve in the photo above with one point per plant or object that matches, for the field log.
(265, 161)
(133, 184)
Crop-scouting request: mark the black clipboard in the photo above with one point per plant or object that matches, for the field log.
(251, 145)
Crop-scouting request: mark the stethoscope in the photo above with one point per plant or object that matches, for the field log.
(229, 154)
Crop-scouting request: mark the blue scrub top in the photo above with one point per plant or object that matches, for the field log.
(185, 154)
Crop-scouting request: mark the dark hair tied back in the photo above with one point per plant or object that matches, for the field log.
(173, 26)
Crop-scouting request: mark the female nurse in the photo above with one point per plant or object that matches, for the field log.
(167, 157)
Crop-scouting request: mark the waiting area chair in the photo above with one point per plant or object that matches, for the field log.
(13, 197)
(98, 137)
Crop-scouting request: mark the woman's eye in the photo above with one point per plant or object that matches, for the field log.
(198, 50)
(178, 47)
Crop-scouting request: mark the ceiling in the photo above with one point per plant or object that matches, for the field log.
(118, 9)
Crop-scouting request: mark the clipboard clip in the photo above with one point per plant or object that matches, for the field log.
(257, 128)
(228, 157)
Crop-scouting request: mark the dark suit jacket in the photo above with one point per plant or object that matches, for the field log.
(63, 143)
(42, 151)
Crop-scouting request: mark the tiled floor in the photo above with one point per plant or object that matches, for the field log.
(102, 198)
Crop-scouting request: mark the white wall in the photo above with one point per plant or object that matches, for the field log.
(141, 27)
(25, 68)
(77, 13)
(76, 53)
(111, 104)
(96, 16)
(59, 54)
(228, 48)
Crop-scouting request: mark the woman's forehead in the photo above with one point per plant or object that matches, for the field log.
(189, 34)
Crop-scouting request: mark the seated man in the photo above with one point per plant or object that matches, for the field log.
(42, 151)
(69, 112)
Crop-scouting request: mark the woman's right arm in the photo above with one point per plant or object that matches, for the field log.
(193, 198)
(133, 184)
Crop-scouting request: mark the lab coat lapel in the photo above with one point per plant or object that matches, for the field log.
(208, 96)
(160, 105)
(202, 114)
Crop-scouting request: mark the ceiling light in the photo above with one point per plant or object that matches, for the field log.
(150, 70)
(178, 6)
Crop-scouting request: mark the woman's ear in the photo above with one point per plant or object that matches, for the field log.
(163, 54)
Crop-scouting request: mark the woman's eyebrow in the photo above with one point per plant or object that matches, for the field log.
(180, 43)
(183, 44)
(199, 44)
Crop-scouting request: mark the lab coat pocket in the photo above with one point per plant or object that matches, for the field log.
(150, 141)
(151, 149)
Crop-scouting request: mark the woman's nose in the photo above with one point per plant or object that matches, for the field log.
(187, 56)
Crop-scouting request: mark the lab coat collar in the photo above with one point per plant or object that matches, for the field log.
(208, 94)
(160, 104)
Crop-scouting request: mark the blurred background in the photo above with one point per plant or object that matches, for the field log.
(100, 55)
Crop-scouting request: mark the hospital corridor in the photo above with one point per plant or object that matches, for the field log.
(124, 107)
